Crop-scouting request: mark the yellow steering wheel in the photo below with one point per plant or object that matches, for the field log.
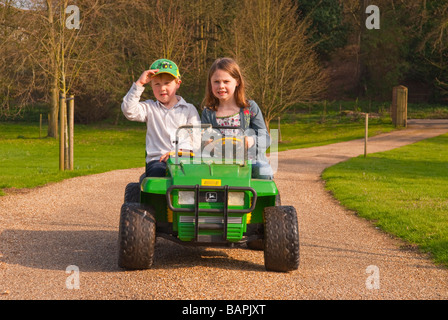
(182, 153)
(219, 143)
(234, 140)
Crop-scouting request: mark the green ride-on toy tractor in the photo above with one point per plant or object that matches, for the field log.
(208, 198)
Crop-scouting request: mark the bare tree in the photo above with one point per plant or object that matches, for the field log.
(156, 29)
(437, 39)
(18, 76)
(71, 53)
(56, 56)
(279, 63)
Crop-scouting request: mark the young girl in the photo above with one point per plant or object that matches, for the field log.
(225, 104)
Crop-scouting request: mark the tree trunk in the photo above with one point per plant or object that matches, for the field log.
(360, 65)
(54, 92)
(54, 110)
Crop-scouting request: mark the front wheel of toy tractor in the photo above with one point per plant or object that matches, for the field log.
(132, 192)
(258, 244)
(281, 239)
(137, 236)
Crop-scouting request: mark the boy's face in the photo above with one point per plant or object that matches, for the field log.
(164, 87)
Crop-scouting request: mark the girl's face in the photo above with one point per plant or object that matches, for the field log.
(223, 85)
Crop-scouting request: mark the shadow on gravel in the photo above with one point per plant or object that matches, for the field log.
(97, 251)
(170, 255)
(90, 250)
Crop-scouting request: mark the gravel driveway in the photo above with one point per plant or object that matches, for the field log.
(74, 223)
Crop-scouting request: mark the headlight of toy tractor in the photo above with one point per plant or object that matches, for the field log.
(236, 199)
(186, 197)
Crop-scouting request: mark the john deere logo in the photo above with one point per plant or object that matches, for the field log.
(211, 197)
(165, 65)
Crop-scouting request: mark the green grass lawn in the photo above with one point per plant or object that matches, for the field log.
(27, 161)
(311, 125)
(298, 135)
(404, 191)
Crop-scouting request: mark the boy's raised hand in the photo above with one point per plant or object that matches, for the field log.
(146, 77)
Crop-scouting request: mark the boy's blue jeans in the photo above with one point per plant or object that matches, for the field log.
(156, 168)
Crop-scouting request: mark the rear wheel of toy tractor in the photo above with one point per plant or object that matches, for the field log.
(137, 237)
(281, 239)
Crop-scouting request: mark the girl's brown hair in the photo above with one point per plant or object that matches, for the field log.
(231, 67)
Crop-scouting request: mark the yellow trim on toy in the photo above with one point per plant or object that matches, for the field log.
(248, 217)
(211, 182)
(181, 153)
(169, 212)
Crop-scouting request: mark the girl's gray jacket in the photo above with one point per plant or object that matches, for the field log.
(253, 125)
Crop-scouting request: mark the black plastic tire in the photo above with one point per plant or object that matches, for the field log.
(278, 200)
(137, 237)
(281, 239)
(258, 243)
(132, 193)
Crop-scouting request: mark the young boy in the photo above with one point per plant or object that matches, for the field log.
(162, 116)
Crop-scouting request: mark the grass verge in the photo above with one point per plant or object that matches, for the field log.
(305, 135)
(28, 161)
(404, 191)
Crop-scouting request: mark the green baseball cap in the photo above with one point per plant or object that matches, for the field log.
(166, 66)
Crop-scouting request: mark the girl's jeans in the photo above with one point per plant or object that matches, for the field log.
(262, 170)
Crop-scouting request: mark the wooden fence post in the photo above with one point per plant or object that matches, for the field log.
(279, 130)
(366, 135)
(399, 108)
(61, 132)
(71, 123)
(66, 156)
